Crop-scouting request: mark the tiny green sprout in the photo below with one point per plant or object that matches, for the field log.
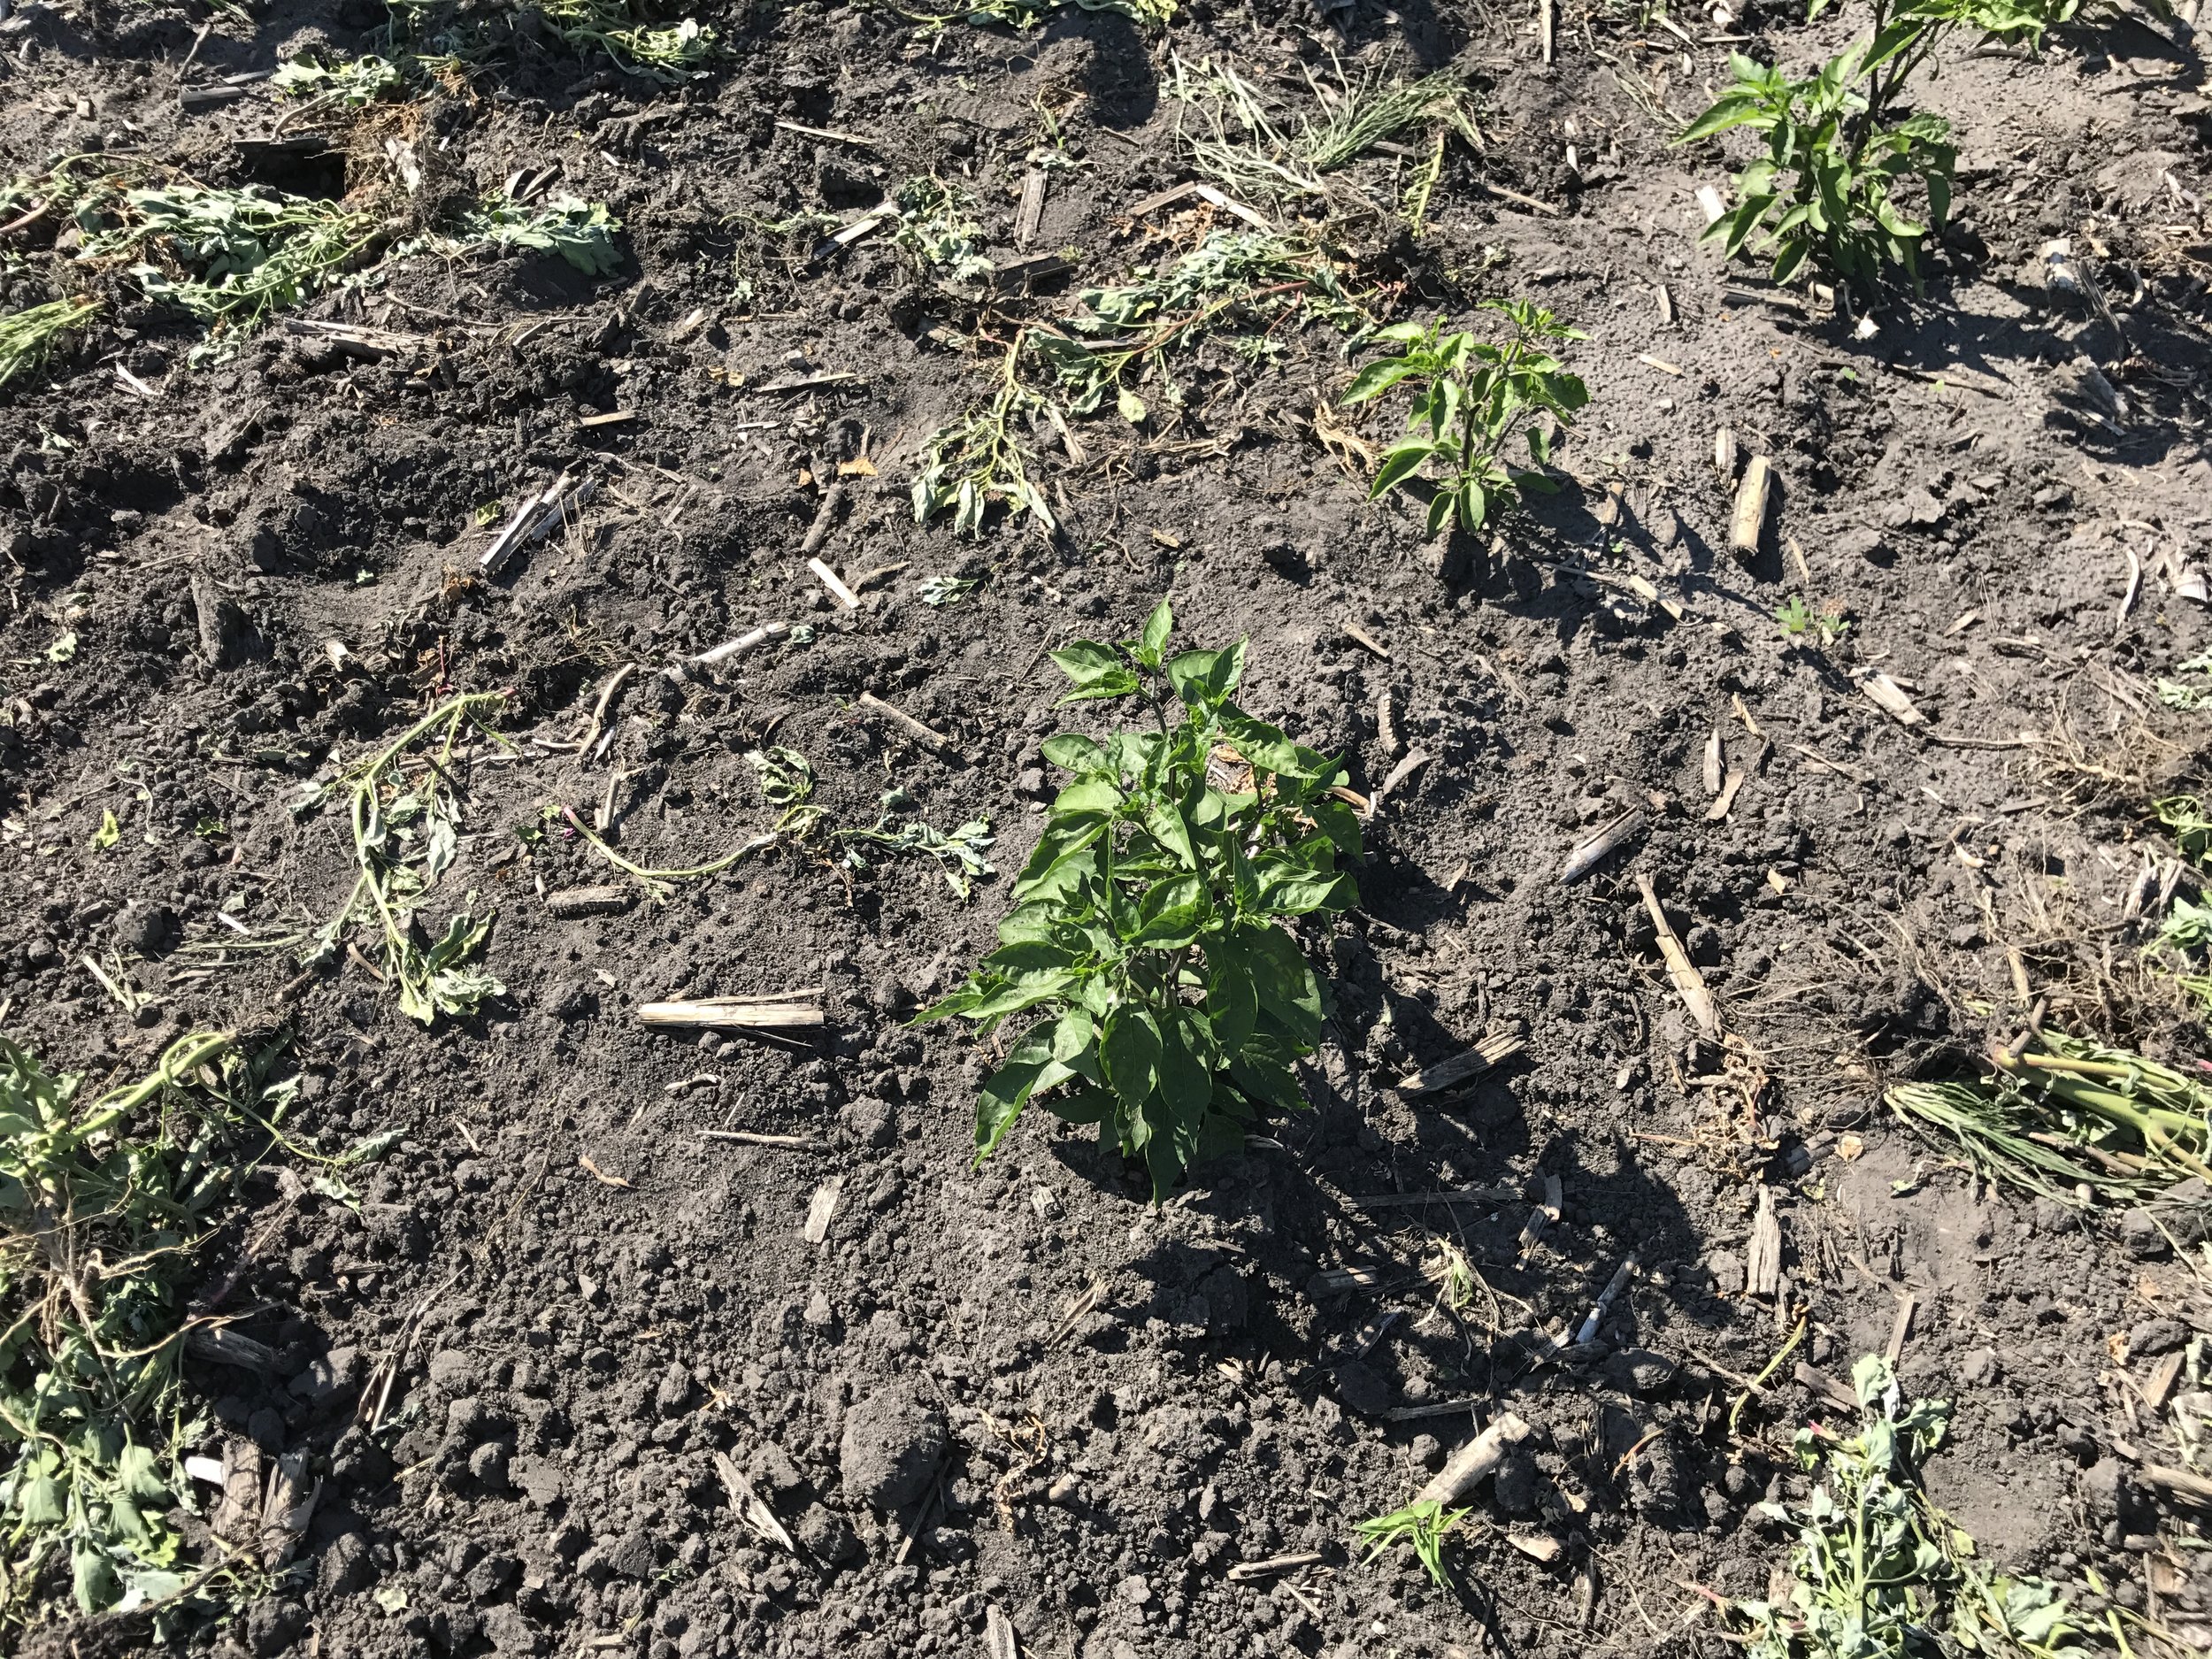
(488, 512)
(1422, 1523)
(1794, 615)
(109, 832)
(64, 648)
(211, 829)
(1797, 619)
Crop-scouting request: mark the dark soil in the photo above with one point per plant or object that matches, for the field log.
(608, 1300)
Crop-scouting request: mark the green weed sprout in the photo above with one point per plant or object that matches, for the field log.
(1474, 396)
(1421, 1524)
(582, 232)
(2184, 817)
(1167, 1003)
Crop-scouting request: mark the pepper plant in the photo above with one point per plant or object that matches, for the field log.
(1474, 396)
(1828, 188)
(1166, 1001)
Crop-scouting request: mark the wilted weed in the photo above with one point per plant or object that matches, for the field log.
(981, 459)
(937, 229)
(105, 1202)
(2069, 1119)
(1251, 153)
(1879, 1572)
(580, 232)
(960, 852)
(1026, 14)
(405, 835)
(28, 336)
(351, 83)
(230, 256)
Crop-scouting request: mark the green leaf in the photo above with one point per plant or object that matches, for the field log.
(1000, 1101)
(1203, 679)
(1156, 629)
(1130, 405)
(1129, 1049)
(1121, 683)
(1171, 914)
(1400, 463)
(1231, 1005)
(1284, 985)
(1186, 1083)
(1302, 894)
(1165, 823)
(1087, 662)
(1266, 747)
(109, 832)
(1073, 753)
(1377, 377)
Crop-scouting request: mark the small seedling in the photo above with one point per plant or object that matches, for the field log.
(1473, 397)
(1423, 1525)
(1170, 1003)
(405, 836)
(1797, 619)
(1877, 1572)
(666, 52)
(28, 337)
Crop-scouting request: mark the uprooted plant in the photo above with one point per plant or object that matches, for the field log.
(1169, 1004)
(1252, 150)
(106, 1201)
(1877, 1572)
(634, 39)
(1026, 14)
(406, 833)
(2070, 1120)
(1474, 396)
(28, 336)
(1239, 288)
(1836, 183)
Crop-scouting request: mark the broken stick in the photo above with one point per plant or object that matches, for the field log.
(1689, 984)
